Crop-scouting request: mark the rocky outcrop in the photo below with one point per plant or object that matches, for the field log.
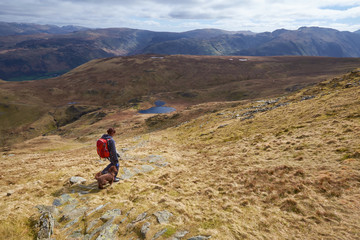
(71, 216)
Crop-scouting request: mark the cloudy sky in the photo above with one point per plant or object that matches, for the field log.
(184, 15)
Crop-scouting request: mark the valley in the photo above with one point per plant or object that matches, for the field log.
(257, 147)
(128, 84)
(280, 167)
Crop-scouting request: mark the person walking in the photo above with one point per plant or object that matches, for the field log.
(114, 156)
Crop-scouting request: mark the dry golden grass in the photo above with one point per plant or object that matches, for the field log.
(288, 173)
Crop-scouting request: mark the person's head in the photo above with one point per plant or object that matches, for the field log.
(111, 131)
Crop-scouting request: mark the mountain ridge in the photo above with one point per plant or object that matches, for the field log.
(7, 29)
(28, 57)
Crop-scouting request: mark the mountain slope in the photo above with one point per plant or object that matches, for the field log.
(309, 42)
(33, 108)
(27, 57)
(277, 169)
(7, 29)
(302, 42)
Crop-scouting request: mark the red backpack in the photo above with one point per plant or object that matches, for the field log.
(102, 148)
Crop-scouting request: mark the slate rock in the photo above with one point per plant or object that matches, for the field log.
(70, 207)
(140, 217)
(307, 98)
(110, 214)
(46, 225)
(62, 200)
(163, 216)
(108, 232)
(146, 168)
(144, 229)
(71, 223)
(51, 209)
(159, 234)
(153, 159)
(179, 235)
(99, 229)
(76, 235)
(73, 214)
(77, 180)
(199, 238)
(96, 209)
(92, 224)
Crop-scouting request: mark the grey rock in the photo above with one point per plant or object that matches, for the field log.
(123, 220)
(223, 125)
(140, 217)
(136, 170)
(110, 214)
(52, 209)
(163, 164)
(73, 214)
(130, 226)
(156, 159)
(99, 229)
(69, 208)
(76, 234)
(96, 209)
(199, 238)
(153, 159)
(71, 223)
(46, 225)
(108, 233)
(77, 180)
(307, 98)
(144, 229)
(92, 224)
(158, 234)
(62, 200)
(91, 186)
(146, 168)
(83, 193)
(179, 235)
(163, 216)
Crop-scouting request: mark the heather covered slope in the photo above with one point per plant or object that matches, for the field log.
(278, 168)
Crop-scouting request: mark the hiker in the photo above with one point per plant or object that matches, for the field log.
(113, 156)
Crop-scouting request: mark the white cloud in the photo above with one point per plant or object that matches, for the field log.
(175, 15)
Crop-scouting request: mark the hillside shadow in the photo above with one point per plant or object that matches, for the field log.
(81, 189)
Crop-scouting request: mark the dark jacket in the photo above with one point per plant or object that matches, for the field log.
(112, 149)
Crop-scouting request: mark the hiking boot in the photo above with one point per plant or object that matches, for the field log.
(116, 179)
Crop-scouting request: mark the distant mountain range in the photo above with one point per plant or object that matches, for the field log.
(30, 51)
(7, 29)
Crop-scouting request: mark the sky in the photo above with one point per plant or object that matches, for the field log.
(185, 15)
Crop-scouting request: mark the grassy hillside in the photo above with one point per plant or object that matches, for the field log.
(276, 168)
(136, 82)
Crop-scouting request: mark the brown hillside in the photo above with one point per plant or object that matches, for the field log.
(32, 108)
(279, 168)
(184, 78)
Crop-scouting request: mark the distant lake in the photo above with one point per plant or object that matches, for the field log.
(159, 108)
